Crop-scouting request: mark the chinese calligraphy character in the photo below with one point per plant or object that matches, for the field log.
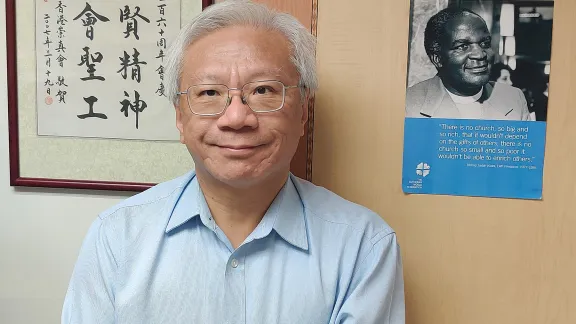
(61, 20)
(61, 60)
(161, 21)
(137, 106)
(61, 7)
(61, 96)
(161, 43)
(91, 100)
(61, 31)
(48, 84)
(61, 48)
(89, 60)
(161, 7)
(91, 17)
(47, 42)
(161, 90)
(125, 62)
(161, 55)
(131, 22)
(160, 71)
(61, 81)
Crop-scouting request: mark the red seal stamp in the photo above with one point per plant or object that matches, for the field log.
(48, 100)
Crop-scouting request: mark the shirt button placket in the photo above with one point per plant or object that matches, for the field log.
(235, 291)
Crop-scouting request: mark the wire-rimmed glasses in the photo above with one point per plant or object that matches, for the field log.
(212, 99)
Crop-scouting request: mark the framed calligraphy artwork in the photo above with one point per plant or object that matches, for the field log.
(86, 95)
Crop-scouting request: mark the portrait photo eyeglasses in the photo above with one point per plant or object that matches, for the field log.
(212, 99)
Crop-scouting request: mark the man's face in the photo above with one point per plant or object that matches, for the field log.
(466, 55)
(240, 147)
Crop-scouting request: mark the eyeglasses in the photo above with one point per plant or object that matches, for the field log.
(212, 99)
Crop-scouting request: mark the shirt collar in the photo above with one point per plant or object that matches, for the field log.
(285, 215)
(465, 99)
(185, 204)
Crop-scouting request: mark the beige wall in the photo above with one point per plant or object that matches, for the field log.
(40, 233)
(467, 260)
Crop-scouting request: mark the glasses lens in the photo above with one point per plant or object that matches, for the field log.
(264, 95)
(207, 98)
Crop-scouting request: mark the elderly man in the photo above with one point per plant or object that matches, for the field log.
(458, 43)
(240, 239)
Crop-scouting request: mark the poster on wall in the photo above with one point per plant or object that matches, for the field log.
(477, 97)
(100, 68)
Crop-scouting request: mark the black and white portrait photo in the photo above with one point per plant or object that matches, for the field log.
(475, 59)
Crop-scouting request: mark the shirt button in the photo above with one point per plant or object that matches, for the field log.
(234, 263)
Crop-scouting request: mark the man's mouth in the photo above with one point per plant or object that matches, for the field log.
(478, 69)
(238, 149)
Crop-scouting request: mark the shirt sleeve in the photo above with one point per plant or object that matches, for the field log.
(376, 294)
(90, 297)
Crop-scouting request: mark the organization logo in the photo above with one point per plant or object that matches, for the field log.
(423, 169)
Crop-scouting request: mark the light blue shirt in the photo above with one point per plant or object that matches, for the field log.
(159, 257)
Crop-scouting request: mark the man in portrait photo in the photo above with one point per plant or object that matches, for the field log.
(239, 238)
(459, 45)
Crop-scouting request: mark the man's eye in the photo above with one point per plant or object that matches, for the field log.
(209, 93)
(261, 90)
(485, 45)
(462, 47)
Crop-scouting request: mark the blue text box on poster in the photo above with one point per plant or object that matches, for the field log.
(487, 158)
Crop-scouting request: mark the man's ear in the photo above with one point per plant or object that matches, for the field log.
(179, 122)
(435, 58)
(305, 105)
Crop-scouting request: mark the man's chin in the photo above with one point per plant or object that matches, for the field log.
(475, 81)
(236, 174)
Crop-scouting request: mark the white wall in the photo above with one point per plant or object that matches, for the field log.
(40, 232)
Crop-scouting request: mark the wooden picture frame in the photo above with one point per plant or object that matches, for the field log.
(301, 164)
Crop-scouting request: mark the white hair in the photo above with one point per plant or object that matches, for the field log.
(243, 13)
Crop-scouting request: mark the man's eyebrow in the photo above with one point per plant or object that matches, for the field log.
(461, 41)
(469, 41)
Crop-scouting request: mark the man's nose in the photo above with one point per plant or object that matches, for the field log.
(238, 114)
(478, 52)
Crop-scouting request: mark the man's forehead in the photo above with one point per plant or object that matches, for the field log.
(247, 52)
(466, 26)
(239, 44)
(231, 37)
(218, 72)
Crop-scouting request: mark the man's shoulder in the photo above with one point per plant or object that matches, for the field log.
(503, 89)
(509, 97)
(422, 85)
(153, 198)
(417, 94)
(333, 210)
